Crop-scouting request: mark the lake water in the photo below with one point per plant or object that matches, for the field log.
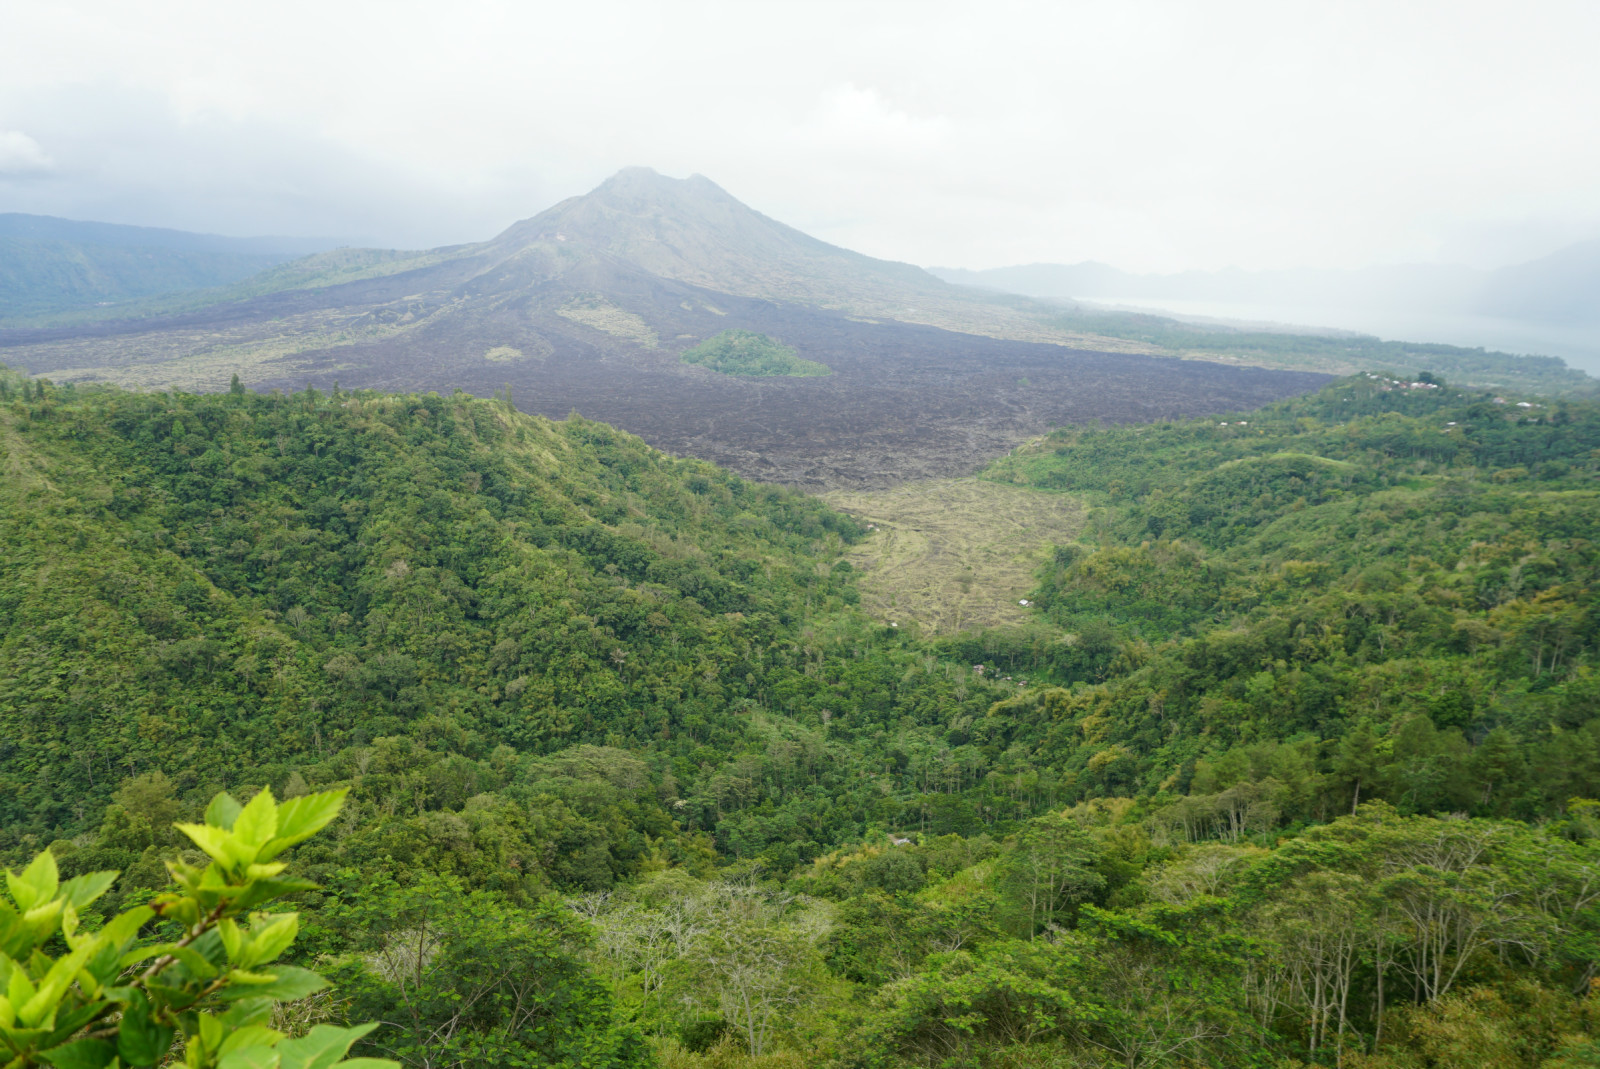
(1578, 346)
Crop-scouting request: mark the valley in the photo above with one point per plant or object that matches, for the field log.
(1327, 659)
(954, 554)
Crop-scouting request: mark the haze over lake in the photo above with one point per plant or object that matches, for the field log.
(1579, 346)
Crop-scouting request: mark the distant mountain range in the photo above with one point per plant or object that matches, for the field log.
(51, 265)
(1562, 288)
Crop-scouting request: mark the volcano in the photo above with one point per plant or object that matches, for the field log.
(589, 305)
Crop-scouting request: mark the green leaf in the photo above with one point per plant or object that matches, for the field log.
(16, 937)
(223, 811)
(80, 1054)
(292, 982)
(20, 1037)
(211, 1032)
(55, 983)
(256, 1035)
(45, 918)
(141, 1041)
(301, 818)
(368, 1063)
(80, 891)
(250, 1058)
(268, 942)
(232, 937)
(247, 1012)
(320, 1048)
(213, 840)
(106, 962)
(19, 989)
(195, 962)
(266, 890)
(68, 1023)
(138, 954)
(257, 823)
(125, 925)
(36, 884)
(256, 979)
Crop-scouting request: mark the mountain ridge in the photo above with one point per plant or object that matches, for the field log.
(53, 264)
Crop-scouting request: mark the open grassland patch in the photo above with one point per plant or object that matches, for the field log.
(597, 313)
(510, 354)
(952, 554)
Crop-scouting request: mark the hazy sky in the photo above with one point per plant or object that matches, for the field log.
(1152, 136)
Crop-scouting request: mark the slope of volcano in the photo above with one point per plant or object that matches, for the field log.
(588, 305)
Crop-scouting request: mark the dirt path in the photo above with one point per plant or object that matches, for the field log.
(955, 554)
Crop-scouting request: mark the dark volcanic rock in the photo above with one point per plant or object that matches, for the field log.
(904, 402)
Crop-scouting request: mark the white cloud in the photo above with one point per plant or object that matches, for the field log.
(22, 155)
(859, 126)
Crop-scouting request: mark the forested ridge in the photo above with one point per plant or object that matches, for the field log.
(1387, 586)
(1296, 775)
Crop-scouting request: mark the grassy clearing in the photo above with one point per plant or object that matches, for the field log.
(597, 313)
(953, 554)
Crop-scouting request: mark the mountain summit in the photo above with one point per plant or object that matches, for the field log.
(692, 230)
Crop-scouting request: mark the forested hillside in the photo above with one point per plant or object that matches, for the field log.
(1297, 774)
(50, 265)
(1388, 585)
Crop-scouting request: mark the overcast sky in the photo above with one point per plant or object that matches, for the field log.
(1151, 136)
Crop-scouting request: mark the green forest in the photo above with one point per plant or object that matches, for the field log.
(744, 352)
(1297, 765)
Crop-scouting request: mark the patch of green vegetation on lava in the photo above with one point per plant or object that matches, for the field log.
(744, 352)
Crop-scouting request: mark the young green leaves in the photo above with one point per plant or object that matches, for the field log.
(238, 836)
(242, 842)
(106, 1004)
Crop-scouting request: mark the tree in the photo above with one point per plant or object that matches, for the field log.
(759, 973)
(1358, 761)
(1004, 993)
(1165, 985)
(465, 980)
(1320, 929)
(1050, 870)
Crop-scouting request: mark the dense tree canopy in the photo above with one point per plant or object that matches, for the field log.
(1292, 764)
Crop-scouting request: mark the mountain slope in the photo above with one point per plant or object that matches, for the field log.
(542, 657)
(49, 264)
(693, 231)
(1563, 287)
(1375, 558)
(308, 573)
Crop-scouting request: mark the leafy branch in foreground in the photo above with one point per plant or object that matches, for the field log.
(107, 1001)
